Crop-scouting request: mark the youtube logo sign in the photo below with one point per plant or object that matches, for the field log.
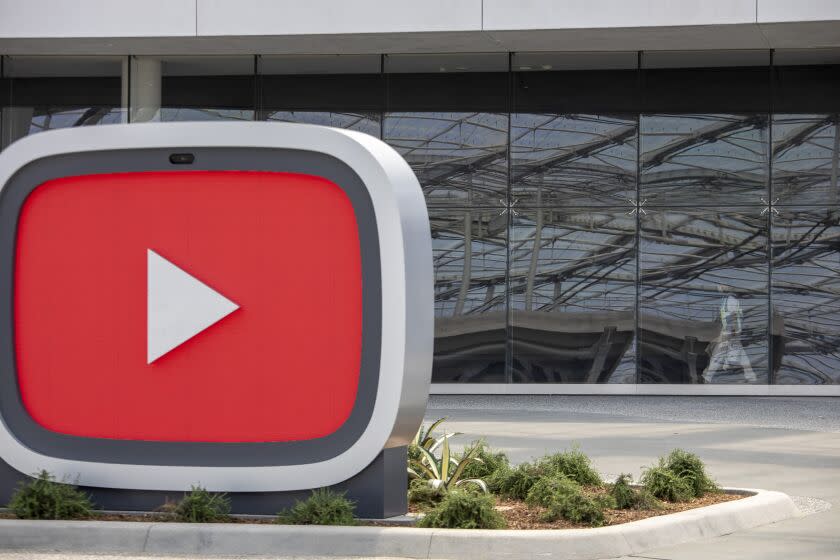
(243, 305)
(227, 286)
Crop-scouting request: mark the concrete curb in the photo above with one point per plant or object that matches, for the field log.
(761, 508)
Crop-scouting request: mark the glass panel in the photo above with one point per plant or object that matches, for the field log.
(703, 305)
(339, 91)
(806, 296)
(813, 87)
(459, 158)
(446, 63)
(447, 115)
(564, 61)
(806, 156)
(573, 159)
(705, 59)
(703, 159)
(45, 93)
(193, 88)
(570, 84)
(361, 122)
(470, 260)
(682, 85)
(573, 298)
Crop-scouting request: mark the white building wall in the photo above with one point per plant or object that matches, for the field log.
(586, 14)
(97, 18)
(321, 26)
(316, 17)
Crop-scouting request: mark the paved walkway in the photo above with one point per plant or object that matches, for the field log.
(787, 444)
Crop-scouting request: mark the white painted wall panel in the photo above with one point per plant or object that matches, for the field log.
(293, 17)
(96, 18)
(578, 14)
(798, 10)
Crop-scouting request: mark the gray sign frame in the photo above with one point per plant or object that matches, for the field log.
(237, 454)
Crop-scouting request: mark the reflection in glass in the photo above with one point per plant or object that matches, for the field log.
(459, 158)
(573, 295)
(470, 261)
(192, 88)
(573, 160)
(703, 296)
(361, 122)
(806, 149)
(688, 160)
(806, 295)
(176, 114)
(44, 93)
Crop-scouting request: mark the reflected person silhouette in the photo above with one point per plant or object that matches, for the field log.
(727, 352)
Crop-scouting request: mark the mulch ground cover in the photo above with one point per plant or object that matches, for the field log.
(518, 515)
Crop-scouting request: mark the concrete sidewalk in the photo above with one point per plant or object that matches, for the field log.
(767, 442)
(787, 444)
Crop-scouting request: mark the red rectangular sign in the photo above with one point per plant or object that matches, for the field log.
(283, 247)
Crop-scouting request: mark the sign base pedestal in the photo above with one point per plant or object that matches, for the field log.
(379, 491)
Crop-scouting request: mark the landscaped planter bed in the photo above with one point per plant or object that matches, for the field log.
(517, 514)
(244, 539)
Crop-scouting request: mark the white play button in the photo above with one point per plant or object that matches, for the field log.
(179, 306)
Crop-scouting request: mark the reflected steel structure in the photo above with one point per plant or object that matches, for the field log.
(608, 226)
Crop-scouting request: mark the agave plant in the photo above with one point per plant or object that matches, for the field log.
(443, 472)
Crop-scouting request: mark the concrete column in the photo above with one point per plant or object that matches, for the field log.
(125, 78)
(144, 89)
(14, 124)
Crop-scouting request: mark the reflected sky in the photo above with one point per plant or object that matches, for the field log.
(806, 294)
(361, 122)
(806, 149)
(574, 160)
(690, 160)
(459, 158)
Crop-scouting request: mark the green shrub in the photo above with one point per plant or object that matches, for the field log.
(627, 497)
(690, 468)
(497, 480)
(422, 495)
(201, 506)
(43, 498)
(579, 508)
(516, 482)
(665, 485)
(427, 439)
(550, 489)
(563, 497)
(489, 461)
(623, 493)
(323, 507)
(444, 472)
(464, 510)
(574, 464)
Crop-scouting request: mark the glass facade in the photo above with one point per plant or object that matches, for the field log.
(44, 93)
(668, 217)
